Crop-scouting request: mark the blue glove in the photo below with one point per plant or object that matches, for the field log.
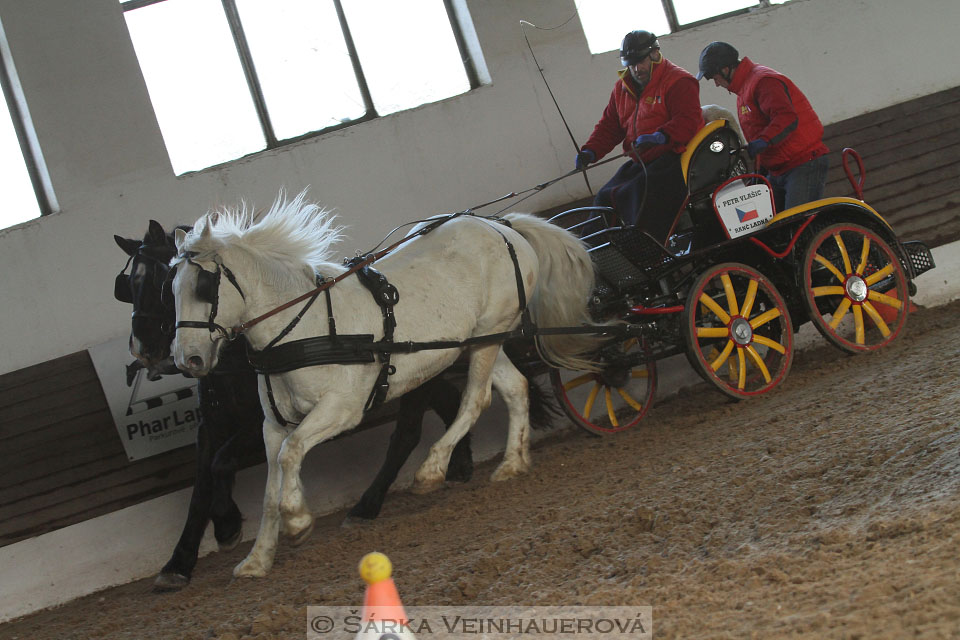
(585, 157)
(658, 137)
(756, 147)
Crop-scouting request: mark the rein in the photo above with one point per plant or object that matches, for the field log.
(326, 284)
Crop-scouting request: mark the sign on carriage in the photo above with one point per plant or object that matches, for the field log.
(743, 208)
(151, 416)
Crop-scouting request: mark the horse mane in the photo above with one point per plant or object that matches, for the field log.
(293, 236)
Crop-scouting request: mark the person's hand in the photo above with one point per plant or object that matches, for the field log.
(585, 157)
(756, 147)
(649, 139)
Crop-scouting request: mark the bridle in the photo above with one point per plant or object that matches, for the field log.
(122, 288)
(208, 290)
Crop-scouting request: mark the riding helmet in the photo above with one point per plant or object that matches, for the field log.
(716, 56)
(636, 46)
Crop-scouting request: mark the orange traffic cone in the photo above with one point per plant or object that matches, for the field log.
(383, 613)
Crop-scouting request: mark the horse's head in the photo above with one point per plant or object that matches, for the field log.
(153, 313)
(206, 310)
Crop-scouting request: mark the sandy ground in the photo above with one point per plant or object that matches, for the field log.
(829, 508)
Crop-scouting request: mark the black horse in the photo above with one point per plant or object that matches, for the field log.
(229, 432)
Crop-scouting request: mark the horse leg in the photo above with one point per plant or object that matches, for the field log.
(260, 558)
(403, 440)
(323, 422)
(176, 573)
(513, 388)
(476, 398)
(444, 398)
(226, 516)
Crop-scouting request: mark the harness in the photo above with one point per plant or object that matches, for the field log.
(337, 348)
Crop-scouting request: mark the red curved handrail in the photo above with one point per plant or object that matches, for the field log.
(857, 185)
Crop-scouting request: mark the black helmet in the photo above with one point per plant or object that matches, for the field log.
(716, 56)
(636, 46)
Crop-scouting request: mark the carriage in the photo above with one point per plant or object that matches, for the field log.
(733, 283)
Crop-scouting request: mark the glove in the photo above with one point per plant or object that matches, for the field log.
(585, 157)
(756, 147)
(658, 137)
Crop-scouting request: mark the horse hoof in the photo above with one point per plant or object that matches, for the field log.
(231, 543)
(427, 486)
(249, 569)
(301, 536)
(170, 582)
(352, 522)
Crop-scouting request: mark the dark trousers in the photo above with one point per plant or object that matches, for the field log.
(801, 184)
(656, 188)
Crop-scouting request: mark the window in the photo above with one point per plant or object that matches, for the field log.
(26, 186)
(231, 77)
(606, 21)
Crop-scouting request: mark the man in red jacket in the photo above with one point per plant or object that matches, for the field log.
(784, 133)
(654, 110)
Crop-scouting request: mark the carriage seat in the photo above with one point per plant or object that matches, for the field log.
(711, 158)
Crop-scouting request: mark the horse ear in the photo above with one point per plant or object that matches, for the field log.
(179, 236)
(129, 246)
(156, 233)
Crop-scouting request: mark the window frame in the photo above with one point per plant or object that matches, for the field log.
(256, 91)
(26, 136)
(674, 22)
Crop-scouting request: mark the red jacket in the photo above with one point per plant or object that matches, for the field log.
(669, 103)
(771, 107)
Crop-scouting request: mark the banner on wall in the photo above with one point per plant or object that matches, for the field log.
(151, 416)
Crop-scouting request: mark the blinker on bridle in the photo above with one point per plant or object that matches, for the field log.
(208, 290)
(122, 286)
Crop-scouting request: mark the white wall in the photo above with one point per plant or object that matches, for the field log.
(111, 173)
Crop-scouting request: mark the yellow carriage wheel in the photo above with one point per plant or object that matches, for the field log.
(854, 288)
(611, 400)
(737, 330)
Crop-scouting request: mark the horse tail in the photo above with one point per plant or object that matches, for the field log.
(562, 293)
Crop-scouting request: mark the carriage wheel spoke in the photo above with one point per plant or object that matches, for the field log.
(831, 290)
(757, 360)
(877, 319)
(749, 299)
(637, 406)
(712, 305)
(588, 405)
(772, 344)
(843, 253)
(712, 332)
(716, 364)
(731, 294)
(830, 266)
(877, 276)
(639, 373)
(858, 323)
(764, 318)
(863, 256)
(881, 298)
(839, 313)
(579, 380)
(742, 361)
(610, 412)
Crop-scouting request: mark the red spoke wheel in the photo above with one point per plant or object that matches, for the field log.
(738, 331)
(611, 400)
(854, 288)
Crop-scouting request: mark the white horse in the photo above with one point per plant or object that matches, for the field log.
(711, 112)
(456, 282)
